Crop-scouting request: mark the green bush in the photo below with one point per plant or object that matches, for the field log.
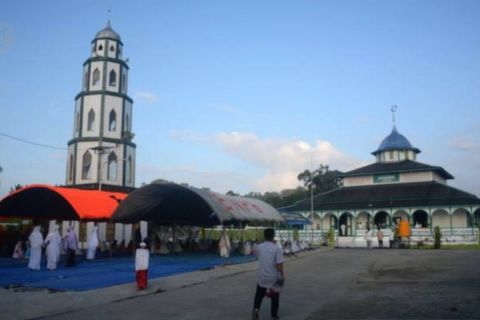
(438, 237)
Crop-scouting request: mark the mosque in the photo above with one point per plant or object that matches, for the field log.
(396, 186)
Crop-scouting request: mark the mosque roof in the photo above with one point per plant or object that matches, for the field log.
(396, 167)
(107, 32)
(395, 141)
(391, 195)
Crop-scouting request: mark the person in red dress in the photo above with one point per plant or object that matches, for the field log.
(142, 256)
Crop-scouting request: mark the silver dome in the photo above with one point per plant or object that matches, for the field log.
(108, 32)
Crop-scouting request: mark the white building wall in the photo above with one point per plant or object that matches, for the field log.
(82, 148)
(416, 176)
(85, 77)
(116, 67)
(96, 65)
(130, 152)
(459, 220)
(124, 81)
(437, 178)
(441, 219)
(357, 181)
(92, 102)
(403, 178)
(128, 114)
(112, 103)
(76, 118)
(110, 53)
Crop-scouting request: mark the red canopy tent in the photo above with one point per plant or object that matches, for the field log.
(56, 203)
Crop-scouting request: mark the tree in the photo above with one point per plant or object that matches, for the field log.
(322, 179)
(231, 193)
(15, 188)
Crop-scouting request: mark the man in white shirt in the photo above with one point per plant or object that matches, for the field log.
(270, 274)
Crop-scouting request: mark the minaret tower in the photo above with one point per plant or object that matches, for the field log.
(101, 154)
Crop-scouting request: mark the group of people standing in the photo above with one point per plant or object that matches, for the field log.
(369, 238)
(54, 246)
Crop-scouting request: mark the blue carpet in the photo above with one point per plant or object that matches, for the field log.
(88, 275)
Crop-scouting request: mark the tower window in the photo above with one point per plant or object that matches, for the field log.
(390, 155)
(91, 120)
(112, 78)
(112, 121)
(96, 77)
(100, 48)
(127, 123)
(86, 165)
(130, 169)
(112, 167)
(112, 48)
(124, 82)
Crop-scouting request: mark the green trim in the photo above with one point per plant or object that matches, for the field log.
(120, 81)
(106, 58)
(105, 139)
(104, 92)
(80, 125)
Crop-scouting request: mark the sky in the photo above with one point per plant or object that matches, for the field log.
(244, 95)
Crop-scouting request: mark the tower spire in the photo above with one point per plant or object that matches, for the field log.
(393, 109)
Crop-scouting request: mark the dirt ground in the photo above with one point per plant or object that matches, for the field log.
(336, 284)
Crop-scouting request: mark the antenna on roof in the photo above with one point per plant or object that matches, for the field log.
(109, 11)
(393, 109)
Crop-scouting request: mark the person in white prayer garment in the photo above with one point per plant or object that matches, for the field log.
(36, 242)
(53, 242)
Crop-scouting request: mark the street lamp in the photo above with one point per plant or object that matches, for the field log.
(100, 150)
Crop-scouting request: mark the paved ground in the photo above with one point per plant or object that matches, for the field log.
(336, 284)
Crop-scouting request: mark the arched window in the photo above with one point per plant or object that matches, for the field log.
(86, 165)
(112, 167)
(112, 78)
(130, 169)
(112, 48)
(100, 48)
(91, 120)
(70, 169)
(124, 82)
(112, 121)
(96, 77)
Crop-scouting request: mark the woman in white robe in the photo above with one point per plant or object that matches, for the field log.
(224, 245)
(36, 243)
(92, 243)
(53, 242)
